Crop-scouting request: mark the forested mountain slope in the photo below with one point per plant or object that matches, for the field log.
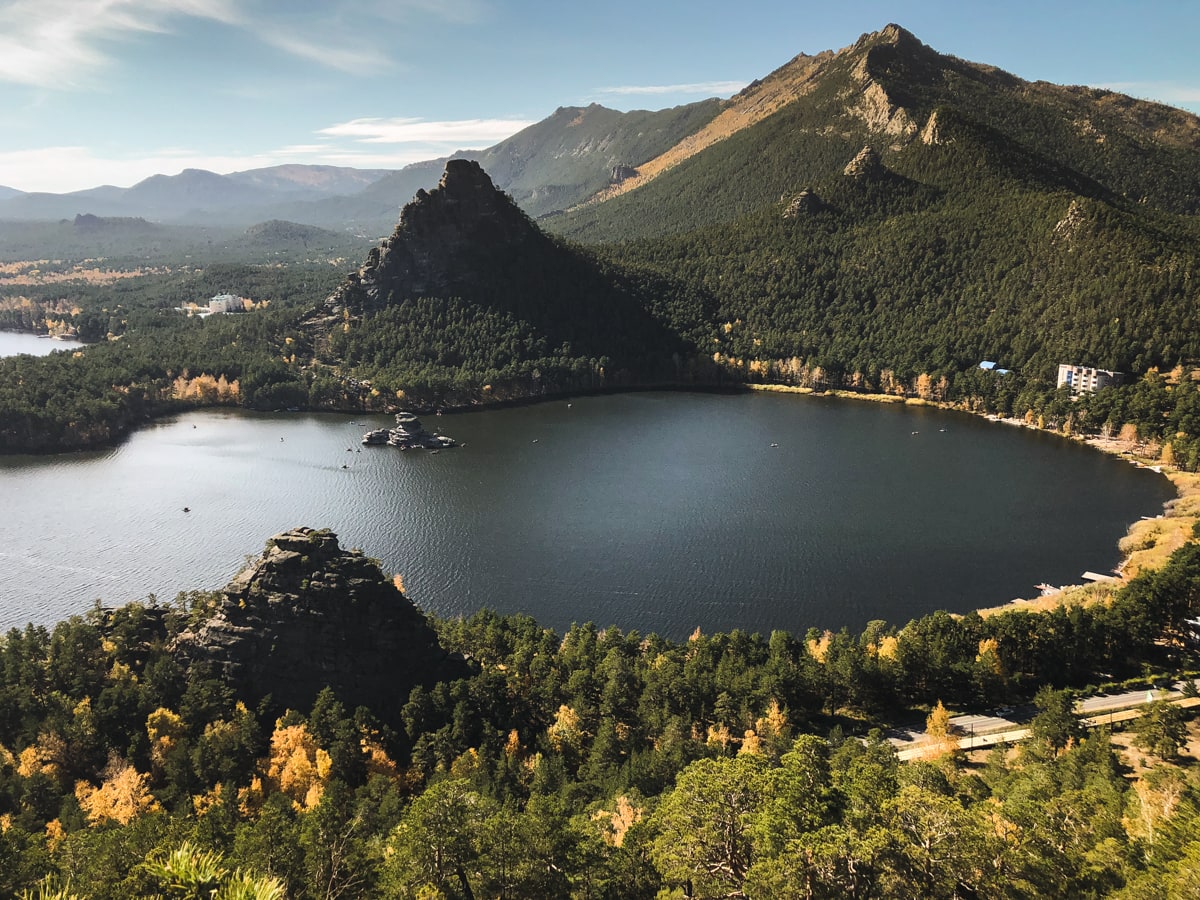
(885, 90)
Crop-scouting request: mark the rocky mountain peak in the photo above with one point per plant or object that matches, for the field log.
(442, 235)
(866, 164)
(307, 615)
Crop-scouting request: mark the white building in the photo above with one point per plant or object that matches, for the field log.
(224, 303)
(1084, 379)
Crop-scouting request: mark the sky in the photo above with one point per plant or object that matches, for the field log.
(99, 92)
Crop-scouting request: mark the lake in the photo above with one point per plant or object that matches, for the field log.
(14, 343)
(655, 511)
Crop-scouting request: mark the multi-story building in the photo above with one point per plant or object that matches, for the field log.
(1084, 379)
(225, 303)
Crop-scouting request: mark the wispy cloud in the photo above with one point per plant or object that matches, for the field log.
(355, 58)
(53, 43)
(462, 133)
(701, 88)
(63, 43)
(458, 12)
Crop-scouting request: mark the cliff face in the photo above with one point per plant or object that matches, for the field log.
(306, 615)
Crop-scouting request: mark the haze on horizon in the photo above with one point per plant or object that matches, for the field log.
(114, 92)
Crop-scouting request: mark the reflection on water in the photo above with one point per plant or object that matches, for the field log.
(658, 512)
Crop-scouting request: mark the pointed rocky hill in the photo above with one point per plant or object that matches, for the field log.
(307, 615)
(469, 286)
(442, 240)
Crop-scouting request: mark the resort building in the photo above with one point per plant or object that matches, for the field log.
(225, 303)
(1084, 379)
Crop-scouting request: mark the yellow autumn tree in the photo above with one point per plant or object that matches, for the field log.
(718, 737)
(614, 824)
(376, 757)
(989, 656)
(773, 727)
(297, 767)
(122, 796)
(55, 835)
(165, 730)
(752, 744)
(942, 741)
(46, 757)
(819, 649)
(564, 730)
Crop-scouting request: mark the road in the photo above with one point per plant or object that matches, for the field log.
(1011, 724)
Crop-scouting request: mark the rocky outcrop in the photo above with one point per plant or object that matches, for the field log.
(308, 615)
(409, 434)
(437, 247)
(931, 134)
(803, 204)
(880, 114)
(865, 165)
(620, 173)
(1070, 225)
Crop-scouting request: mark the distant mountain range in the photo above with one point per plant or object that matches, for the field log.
(549, 166)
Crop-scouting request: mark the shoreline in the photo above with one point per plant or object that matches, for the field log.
(1147, 544)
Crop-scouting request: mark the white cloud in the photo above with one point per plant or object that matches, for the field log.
(702, 88)
(462, 133)
(52, 43)
(459, 12)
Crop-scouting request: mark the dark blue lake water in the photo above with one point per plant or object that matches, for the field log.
(656, 511)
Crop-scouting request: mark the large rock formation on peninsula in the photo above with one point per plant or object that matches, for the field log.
(464, 256)
(307, 615)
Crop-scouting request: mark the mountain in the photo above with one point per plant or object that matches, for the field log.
(578, 151)
(310, 180)
(469, 287)
(7, 193)
(879, 218)
(547, 167)
(196, 196)
(806, 119)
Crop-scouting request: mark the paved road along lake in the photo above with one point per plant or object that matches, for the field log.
(655, 511)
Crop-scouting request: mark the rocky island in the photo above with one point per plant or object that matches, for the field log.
(409, 434)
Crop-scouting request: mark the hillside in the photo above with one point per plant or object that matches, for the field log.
(879, 219)
(884, 90)
(308, 732)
